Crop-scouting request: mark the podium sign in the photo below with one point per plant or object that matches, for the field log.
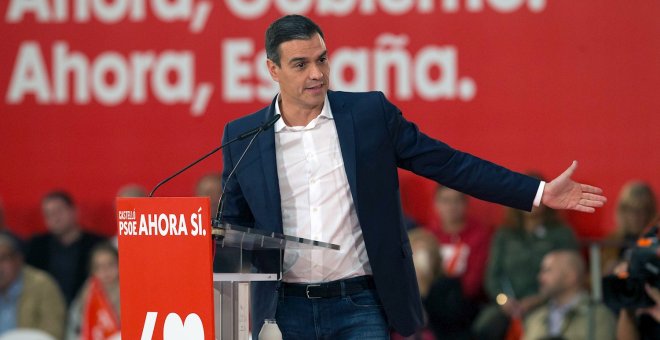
(165, 266)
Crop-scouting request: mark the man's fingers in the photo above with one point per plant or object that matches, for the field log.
(584, 208)
(592, 197)
(591, 189)
(591, 203)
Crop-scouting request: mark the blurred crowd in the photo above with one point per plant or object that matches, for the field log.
(527, 278)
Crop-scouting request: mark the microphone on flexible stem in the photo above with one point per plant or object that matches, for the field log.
(255, 131)
(221, 203)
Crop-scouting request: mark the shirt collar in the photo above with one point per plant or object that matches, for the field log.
(15, 289)
(326, 112)
(565, 308)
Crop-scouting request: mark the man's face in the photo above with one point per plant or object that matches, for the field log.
(10, 266)
(58, 216)
(552, 277)
(303, 73)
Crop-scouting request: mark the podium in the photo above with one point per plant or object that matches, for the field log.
(167, 285)
(233, 289)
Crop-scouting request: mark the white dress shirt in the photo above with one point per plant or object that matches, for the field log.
(317, 202)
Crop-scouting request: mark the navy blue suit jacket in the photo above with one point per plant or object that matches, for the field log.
(375, 140)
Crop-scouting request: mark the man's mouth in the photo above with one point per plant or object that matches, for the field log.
(315, 87)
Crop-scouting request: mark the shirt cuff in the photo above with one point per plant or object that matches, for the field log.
(539, 194)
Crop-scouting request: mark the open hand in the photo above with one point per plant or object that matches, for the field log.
(564, 193)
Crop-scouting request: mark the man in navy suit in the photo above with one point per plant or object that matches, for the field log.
(328, 171)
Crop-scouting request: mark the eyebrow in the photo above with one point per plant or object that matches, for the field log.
(297, 59)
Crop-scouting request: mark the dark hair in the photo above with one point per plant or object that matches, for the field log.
(102, 247)
(15, 245)
(59, 195)
(440, 187)
(289, 27)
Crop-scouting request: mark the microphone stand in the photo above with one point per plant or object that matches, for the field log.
(242, 136)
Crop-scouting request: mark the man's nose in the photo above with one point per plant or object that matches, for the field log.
(315, 72)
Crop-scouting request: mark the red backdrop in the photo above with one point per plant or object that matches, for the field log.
(98, 94)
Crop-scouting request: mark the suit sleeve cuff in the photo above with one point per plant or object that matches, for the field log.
(539, 194)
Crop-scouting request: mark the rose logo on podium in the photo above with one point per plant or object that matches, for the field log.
(174, 328)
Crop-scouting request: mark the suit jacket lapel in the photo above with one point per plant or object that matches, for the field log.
(269, 165)
(346, 133)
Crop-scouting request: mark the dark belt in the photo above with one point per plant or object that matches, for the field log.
(328, 289)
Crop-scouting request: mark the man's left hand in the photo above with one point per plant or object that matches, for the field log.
(564, 193)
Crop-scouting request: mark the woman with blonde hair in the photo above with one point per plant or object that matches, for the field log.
(636, 209)
(448, 312)
(426, 257)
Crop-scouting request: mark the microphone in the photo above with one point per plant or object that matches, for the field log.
(256, 131)
(263, 127)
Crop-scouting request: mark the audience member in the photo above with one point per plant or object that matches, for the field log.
(64, 250)
(104, 263)
(448, 313)
(427, 259)
(463, 241)
(29, 297)
(210, 185)
(641, 324)
(569, 313)
(132, 190)
(635, 210)
(128, 190)
(428, 268)
(226, 258)
(513, 264)
(4, 228)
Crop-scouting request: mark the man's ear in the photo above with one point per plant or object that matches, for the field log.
(273, 69)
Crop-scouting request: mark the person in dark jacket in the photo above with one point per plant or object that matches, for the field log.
(64, 250)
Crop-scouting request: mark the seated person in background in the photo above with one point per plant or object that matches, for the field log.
(448, 313)
(29, 297)
(226, 258)
(64, 250)
(128, 191)
(132, 190)
(210, 185)
(464, 242)
(4, 228)
(513, 264)
(427, 259)
(569, 313)
(641, 324)
(104, 263)
(635, 210)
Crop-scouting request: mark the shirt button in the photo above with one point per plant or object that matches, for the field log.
(315, 209)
